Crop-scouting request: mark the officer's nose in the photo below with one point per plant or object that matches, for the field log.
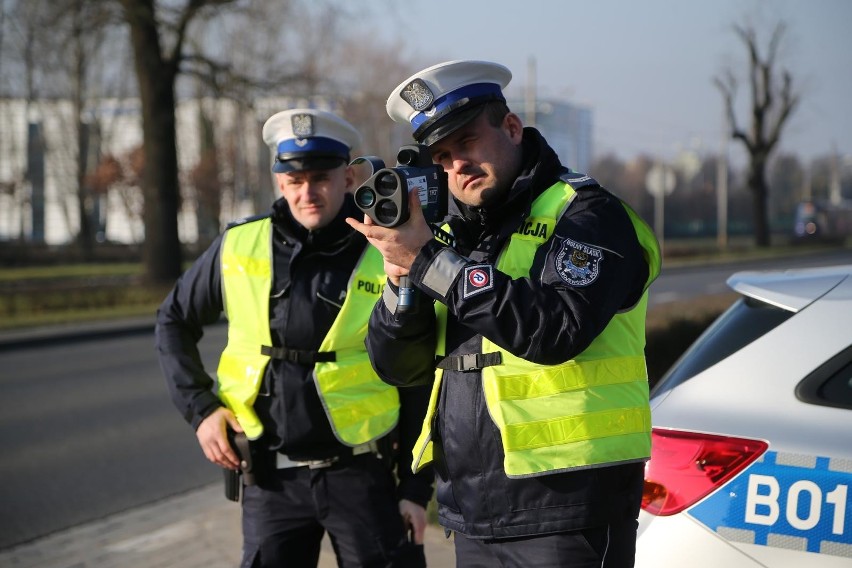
(309, 190)
(461, 163)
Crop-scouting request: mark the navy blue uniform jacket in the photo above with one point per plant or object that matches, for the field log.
(542, 319)
(310, 274)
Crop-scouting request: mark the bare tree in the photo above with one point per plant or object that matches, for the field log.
(773, 100)
(58, 45)
(205, 177)
(87, 23)
(157, 66)
(158, 33)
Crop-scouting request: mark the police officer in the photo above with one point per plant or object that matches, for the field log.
(297, 286)
(539, 424)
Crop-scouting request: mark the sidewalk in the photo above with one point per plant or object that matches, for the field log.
(199, 529)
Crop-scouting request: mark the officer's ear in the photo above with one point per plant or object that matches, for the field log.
(349, 178)
(279, 182)
(513, 127)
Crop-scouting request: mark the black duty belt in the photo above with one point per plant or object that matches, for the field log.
(300, 356)
(469, 361)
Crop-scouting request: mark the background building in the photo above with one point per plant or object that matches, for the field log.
(39, 201)
(567, 128)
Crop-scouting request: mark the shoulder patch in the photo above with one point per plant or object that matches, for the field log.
(578, 180)
(245, 220)
(578, 264)
(477, 279)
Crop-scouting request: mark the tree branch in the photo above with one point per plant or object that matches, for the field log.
(188, 15)
(728, 87)
(789, 102)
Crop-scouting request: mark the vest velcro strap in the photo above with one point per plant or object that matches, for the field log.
(469, 361)
(300, 356)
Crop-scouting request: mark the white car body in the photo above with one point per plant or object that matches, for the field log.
(788, 394)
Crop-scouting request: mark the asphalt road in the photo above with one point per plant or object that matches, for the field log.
(87, 428)
(683, 282)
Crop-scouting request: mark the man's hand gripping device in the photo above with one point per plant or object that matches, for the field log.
(384, 196)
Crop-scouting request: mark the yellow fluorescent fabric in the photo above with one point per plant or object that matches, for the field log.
(246, 280)
(360, 407)
(588, 412)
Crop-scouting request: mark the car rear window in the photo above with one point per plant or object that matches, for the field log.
(831, 383)
(741, 324)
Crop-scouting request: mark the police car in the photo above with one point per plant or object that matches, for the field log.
(751, 460)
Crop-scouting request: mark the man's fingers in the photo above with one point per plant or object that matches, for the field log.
(228, 456)
(233, 422)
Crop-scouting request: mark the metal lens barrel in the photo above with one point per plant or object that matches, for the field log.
(387, 213)
(408, 156)
(365, 197)
(387, 183)
(387, 208)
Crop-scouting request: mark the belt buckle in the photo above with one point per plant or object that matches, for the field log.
(320, 464)
(469, 362)
(282, 461)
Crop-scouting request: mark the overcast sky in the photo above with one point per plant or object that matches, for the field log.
(646, 67)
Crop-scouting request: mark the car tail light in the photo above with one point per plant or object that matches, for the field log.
(686, 466)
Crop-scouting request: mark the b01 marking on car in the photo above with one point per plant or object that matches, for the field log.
(785, 501)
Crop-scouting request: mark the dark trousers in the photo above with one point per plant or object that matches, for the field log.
(611, 546)
(284, 520)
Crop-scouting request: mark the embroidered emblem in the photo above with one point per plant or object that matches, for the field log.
(477, 279)
(578, 264)
(418, 95)
(303, 125)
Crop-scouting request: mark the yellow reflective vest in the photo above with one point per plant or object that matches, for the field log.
(591, 411)
(360, 407)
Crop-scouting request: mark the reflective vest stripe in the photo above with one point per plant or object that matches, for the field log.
(572, 456)
(515, 381)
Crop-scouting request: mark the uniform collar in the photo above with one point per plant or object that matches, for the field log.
(336, 231)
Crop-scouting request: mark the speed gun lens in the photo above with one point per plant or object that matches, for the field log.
(387, 184)
(365, 197)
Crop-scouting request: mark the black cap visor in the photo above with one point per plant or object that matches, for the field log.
(452, 118)
(285, 163)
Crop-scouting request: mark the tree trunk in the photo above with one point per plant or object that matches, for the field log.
(86, 235)
(760, 197)
(161, 250)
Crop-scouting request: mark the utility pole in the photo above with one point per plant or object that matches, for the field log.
(530, 93)
(722, 188)
(660, 182)
(834, 194)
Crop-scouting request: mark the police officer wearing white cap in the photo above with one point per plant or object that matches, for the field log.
(297, 286)
(539, 423)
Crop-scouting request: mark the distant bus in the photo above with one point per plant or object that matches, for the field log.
(822, 221)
